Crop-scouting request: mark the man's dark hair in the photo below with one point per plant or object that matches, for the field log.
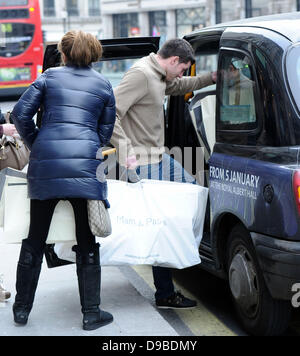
(178, 47)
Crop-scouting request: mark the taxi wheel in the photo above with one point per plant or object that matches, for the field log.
(258, 312)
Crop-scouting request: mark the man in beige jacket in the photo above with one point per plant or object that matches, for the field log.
(139, 131)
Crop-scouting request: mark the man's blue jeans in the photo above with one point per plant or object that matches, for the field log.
(170, 170)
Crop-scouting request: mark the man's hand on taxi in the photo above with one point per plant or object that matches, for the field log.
(214, 76)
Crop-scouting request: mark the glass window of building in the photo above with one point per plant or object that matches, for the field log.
(49, 8)
(189, 20)
(72, 7)
(94, 7)
(158, 25)
(126, 25)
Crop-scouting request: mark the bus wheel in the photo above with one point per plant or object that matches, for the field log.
(258, 312)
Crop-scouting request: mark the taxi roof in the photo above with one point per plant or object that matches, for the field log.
(287, 24)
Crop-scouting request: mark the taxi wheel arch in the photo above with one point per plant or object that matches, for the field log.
(258, 312)
(221, 233)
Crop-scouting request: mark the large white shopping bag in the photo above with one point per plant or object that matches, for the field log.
(16, 215)
(6, 175)
(153, 222)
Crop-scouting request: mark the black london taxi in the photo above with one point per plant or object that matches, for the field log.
(248, 126)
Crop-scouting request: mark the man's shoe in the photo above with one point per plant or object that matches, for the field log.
(176, 301)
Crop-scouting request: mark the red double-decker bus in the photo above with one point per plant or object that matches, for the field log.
(21, 45)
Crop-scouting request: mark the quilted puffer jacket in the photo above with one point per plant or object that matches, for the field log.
(79, 117)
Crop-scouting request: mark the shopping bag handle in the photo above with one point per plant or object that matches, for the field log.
(132, 176)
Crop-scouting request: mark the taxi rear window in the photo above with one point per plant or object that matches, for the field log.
(293, 72)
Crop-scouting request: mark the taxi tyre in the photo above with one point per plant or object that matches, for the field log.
(258, 312)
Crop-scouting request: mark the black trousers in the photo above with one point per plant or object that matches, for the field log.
(41, 212)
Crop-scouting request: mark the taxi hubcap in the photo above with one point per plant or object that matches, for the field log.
(243, 282)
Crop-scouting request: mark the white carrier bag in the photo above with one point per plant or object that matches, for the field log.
(153, 222)
(15, 215)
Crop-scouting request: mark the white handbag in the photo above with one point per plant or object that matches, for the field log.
(99, 219)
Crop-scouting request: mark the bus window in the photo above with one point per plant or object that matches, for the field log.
(21, 45)
(15, 38)
(5, 3)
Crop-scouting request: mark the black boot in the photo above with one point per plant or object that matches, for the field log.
(28, 272)
(89, 280)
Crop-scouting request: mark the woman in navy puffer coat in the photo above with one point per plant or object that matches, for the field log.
(79, 117)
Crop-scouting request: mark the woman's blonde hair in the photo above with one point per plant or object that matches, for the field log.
(80, 48)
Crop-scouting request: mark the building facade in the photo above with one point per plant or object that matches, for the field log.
(59, 16)
(174, 18)
(165, 18)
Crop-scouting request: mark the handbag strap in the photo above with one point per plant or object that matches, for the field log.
(3, 138)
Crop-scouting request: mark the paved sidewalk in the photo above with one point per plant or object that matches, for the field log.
(56, 310)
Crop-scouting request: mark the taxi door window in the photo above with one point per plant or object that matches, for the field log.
(206, 63)
(202, 106)
(114, 70)
(237, 104)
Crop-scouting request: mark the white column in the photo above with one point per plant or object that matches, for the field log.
(42, 8)
(210, 13)
(241, 9)
(171, 24)
(271, 6)
(83, 8)
(144, 23)
(107, 27)
(59, 6)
